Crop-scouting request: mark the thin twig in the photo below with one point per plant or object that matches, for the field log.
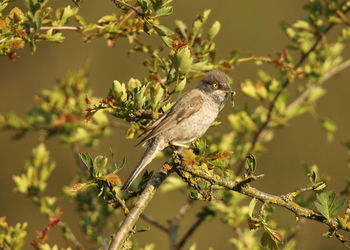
(76, 151)
(74, 28)
(130, 7)
(174, 223)
(292, 195)
(155, 223)
(272, 105)
(326, 77)
(70, 235)
(190, 231)
(183, 210)
(292, 235)
(242, 238)
(255, 58)
(126, 17)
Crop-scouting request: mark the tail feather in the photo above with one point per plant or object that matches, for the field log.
(147, 157)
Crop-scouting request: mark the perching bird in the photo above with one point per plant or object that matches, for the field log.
(187, 120)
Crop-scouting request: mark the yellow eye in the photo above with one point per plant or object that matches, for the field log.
(214, 85)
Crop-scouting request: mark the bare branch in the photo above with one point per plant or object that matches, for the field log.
(174, 223)
(155, 223)
(190, 231)
(183, 210)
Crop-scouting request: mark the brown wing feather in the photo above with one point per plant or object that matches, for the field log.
(184, 108)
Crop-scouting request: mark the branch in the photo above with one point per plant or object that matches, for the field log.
(174, 223)
(155, 223)
(280, 201)
(79, 28)
(292, 195)
(116, 2)
(255, 58)
(272, 105)
(74, 28)
(326, 77)
(70, 235)
(190, 231)
(183, 210)
(132, 217)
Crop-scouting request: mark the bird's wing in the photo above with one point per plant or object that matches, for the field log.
(181, 110)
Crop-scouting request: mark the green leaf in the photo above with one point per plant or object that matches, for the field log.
(316, 93)
(249, 89)
(164, 11)
(250, 163)
(120, 165)
(37, 170)
(76, 2)
(182, 28)
(268, 241)
(3, 5)
(167, 41)
(329, 127)
(164, 33)
(63, 15)
(252, 206)
(198, 23)
(327, 204)
(184, 60)
(12, 237)
(312, 173)
(172, 183)
(100, 163)
(163, 30)
(181, 85)
(214, 30)
(201, 144)
(88, 163)
(202, 66)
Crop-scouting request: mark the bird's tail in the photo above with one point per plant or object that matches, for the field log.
(147, 157)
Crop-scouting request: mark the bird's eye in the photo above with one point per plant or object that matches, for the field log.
(214, 85)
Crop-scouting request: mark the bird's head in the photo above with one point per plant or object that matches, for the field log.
(216, 84)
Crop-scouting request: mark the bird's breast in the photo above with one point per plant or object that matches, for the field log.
(197, 124)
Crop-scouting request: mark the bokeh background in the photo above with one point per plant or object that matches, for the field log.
(252, 27)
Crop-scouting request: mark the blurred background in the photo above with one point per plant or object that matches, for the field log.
(250, 26)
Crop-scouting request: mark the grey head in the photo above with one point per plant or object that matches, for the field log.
(215, 84)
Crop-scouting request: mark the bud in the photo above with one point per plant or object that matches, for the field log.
(214, 30)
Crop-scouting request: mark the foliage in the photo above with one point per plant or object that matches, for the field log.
(71, 112)
(12, 237)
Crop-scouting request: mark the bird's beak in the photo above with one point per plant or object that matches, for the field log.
(227, 90)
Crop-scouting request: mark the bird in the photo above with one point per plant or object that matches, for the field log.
(187, 120)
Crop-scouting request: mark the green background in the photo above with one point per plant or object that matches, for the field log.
(253, 27)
